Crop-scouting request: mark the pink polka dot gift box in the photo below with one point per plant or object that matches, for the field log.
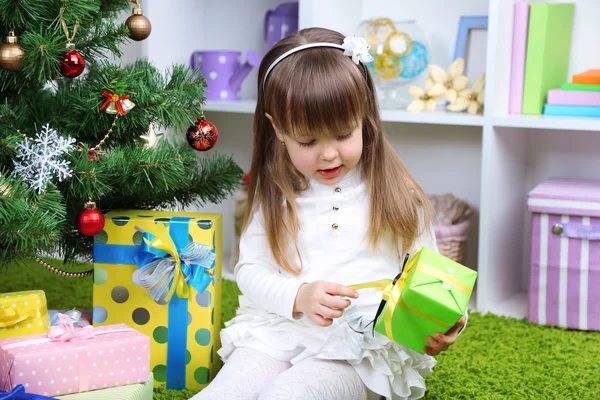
(73, 360)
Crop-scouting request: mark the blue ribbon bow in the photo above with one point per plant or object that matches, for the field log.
(166, 268)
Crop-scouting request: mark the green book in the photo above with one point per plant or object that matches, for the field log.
(548, 52)
(577, 86)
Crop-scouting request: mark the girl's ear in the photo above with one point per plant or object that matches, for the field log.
(279, 135)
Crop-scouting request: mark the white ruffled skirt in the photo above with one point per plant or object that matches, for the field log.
(386, 368)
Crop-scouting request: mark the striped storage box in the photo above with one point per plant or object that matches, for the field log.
(564, 287)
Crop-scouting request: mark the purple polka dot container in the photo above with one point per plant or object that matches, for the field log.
(224, 71)
(183, 327)
(114, 355)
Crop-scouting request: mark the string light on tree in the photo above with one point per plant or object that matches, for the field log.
(91, 220)
(202, 135)
(139, 26)
(11, 53)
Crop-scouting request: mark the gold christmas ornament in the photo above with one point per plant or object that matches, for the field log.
(139, 26)
(11, 53)
(151, 137)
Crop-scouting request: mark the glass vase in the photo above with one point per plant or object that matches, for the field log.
(401, 51)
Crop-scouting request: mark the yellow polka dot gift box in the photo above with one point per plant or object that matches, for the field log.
(160, 273)
(23, 313)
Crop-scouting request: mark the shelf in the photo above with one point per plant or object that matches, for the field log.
(439, 117)
(547, 122)
(239, 107)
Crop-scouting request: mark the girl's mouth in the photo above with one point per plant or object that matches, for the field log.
(331, 172)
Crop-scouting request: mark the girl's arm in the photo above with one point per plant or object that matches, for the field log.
(258, 276)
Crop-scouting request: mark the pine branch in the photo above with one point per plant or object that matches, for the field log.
(8, 141)
(9, 137)
(102, 38)
(217, 178)
(126, 175)
(41, 35)
(18, 14)
(28, 222)
(112, 7)
(173, 101)
(42, 57)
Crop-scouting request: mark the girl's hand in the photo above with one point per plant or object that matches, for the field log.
(318, 301)
(441, 342)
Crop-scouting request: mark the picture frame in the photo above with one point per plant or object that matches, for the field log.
(465, 25)
(471, 38)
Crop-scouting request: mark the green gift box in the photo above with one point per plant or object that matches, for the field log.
(430, 295)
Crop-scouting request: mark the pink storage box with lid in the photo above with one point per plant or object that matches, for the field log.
(564, 288)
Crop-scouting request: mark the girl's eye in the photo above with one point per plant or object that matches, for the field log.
(344, 137)
(307, 144)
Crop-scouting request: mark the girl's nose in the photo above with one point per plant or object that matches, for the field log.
(329, 152)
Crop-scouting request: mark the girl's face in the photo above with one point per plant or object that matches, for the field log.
(325, 159)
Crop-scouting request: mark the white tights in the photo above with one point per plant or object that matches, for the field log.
(251, 375)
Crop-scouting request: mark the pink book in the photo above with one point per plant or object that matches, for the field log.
(519, 52)
(573, 97)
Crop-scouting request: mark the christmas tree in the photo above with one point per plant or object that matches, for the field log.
(77, 129)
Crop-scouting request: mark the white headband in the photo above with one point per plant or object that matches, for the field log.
(357, 48)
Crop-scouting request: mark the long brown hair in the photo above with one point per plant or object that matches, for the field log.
(322, 92)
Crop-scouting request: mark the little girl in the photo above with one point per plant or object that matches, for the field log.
(330, 204)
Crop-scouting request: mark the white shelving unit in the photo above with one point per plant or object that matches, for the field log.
(491, 160)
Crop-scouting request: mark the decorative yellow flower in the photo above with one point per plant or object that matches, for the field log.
(471, 99)
(427, 98)
(452, 81)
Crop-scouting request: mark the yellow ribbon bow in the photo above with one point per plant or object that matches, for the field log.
(10, 317)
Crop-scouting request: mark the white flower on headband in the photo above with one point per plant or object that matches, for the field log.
(358, 49)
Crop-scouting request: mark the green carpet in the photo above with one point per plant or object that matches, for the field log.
(495, 358)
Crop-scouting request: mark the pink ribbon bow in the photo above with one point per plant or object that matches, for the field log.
(65, 331)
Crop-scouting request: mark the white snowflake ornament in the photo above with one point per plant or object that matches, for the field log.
(39, 161)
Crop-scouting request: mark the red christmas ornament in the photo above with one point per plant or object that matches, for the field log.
(202, 135)
(72, 64)
(91, 220)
